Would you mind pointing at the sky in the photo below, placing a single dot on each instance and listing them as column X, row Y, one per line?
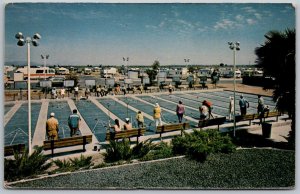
column 104, row 33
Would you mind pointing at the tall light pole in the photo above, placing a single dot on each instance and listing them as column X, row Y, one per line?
column 186, row 62
column 235, row 46
column 45, row 57
column 126, row 59
column 34, row 42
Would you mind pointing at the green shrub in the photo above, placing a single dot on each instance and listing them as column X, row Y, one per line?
column 198, row 151
column 82, row 162
column 62, row 163
column 199, row 144
column 142, row 148
column 181, row 144
column 73, row 164
column 116, row 151
column 162, row 150
column 23, row 165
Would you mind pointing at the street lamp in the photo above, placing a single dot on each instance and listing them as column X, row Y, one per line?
column 235, row 46
column 126, row 59
column 186, row 62
column 34, row 42
column 45, row 57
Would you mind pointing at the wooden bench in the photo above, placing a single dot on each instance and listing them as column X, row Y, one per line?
column 67, row 142
column 251, row 117
column 181, row 87
column 135, row 132
column 272, row 114
column 152, row 88
column 248, row 117
column 202, row 85
column 172, row 127
column 269, row 114
column 210, row 122
column 9, row 150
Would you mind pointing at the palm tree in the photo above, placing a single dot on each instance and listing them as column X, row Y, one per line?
column 277, row 57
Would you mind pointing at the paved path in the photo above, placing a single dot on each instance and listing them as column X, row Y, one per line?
column 12, row 111
column 40, row 129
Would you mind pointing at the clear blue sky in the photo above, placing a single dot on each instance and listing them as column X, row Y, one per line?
column 81, row 33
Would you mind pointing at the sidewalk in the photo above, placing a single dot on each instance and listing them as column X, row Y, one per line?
column 279, row 131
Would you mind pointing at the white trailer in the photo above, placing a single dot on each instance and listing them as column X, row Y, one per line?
column 37, row 72
column 87, row 71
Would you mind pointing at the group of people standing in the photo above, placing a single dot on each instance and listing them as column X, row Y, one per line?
column 244, row 104
column 52, row 125
column 157, row 117
column 205, row 109
column 55, row 92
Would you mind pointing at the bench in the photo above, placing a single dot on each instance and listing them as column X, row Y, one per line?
column 135, row 132
column 11, row 149
column 251, row 117
column 185, row 87
column 272, row 114
column 67, row 142
column 210, row 122
column 172, row 127
column 269, row 114
column 248, row 117
column 202, row 85
column 152, row 88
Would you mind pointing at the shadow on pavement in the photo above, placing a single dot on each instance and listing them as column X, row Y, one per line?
column 245, row 139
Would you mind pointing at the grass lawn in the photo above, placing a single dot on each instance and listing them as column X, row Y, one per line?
column 244, row 169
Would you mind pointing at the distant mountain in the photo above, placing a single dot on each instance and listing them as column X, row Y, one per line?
column 21, row 63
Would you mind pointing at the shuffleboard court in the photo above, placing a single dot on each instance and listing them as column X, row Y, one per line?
column 16, row 130
column 94, row 117
column 123, row 112
column 218, row 107
column 62, row 112
column 167, row 116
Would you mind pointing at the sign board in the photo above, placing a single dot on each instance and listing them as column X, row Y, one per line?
column 176, row 79
column 128, row 81
column 146, row 80
column 161, row 79
column 69, row 83
column 109, row 81
column 20, row 85
column 90, row 83
column 45, row 84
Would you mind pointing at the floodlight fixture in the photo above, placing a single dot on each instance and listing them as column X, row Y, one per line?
column 37, row 36
column 21, row 42
column 35, row 42
column 19, row 35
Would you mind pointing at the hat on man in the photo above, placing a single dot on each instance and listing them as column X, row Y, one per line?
column 156, row 105
column 52, row 114
column 127, row 119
